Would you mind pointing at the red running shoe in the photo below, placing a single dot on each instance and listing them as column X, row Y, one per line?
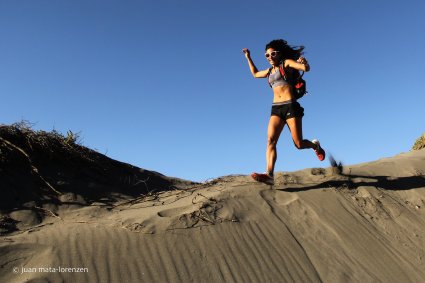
column 320, row 152
column 263, row 178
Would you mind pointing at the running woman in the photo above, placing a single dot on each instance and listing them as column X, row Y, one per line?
column 285, row 108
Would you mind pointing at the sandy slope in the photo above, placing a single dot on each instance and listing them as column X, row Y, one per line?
column 366, row 225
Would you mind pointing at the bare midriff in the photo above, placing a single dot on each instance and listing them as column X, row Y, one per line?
column 282, row 93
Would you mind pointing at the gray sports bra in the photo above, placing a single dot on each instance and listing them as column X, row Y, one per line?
column 276, row 79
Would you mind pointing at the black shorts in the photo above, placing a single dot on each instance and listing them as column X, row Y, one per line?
column 287, row 110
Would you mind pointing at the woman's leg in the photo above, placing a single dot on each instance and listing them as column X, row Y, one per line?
column 274, row 130
column 296, row 127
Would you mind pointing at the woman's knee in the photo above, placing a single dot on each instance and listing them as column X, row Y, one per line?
column 271, row 141
column 299, row 144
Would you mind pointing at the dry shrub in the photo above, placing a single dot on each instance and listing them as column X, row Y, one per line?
column 420, row 143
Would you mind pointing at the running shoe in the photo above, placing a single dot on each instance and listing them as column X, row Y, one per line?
column 320, row 152
column 263, row 178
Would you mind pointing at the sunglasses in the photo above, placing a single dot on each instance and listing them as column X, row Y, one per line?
column 272, row 54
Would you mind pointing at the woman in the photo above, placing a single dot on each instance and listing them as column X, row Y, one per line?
column 285, row 109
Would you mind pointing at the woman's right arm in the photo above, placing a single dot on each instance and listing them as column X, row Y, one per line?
column 253, row 68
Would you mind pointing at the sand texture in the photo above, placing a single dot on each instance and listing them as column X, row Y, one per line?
column 366, row 224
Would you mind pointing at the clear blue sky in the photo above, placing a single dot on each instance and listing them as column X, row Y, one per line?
column 163, row 85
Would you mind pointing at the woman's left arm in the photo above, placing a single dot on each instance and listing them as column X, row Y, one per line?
column 301, row 64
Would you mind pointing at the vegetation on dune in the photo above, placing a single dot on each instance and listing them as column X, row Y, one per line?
column 420, row 143
column 40, row 167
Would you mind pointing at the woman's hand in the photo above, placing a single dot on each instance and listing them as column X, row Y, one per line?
column 302, row 60
column 247, row 53
column 254, row 70
column 301, row 64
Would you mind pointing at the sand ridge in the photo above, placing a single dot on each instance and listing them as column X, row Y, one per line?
column 364, row 225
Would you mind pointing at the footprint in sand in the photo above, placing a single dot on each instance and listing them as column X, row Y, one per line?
column 286, row 198
column 281, row 198
column 175, row 211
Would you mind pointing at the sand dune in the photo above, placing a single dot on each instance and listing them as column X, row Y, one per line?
column 366, row 224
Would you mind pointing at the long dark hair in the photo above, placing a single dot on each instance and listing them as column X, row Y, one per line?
column 286, row 51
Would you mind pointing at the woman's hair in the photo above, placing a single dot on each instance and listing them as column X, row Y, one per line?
column 287, row 52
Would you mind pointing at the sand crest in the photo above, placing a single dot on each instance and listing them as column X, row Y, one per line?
column 366, row 224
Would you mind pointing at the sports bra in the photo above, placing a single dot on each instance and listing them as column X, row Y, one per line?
column 276, row 79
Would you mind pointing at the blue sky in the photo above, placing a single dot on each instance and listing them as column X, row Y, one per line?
column 163, row 85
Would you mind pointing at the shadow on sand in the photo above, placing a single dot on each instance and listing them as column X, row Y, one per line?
column 348, row 181
column 384, row 182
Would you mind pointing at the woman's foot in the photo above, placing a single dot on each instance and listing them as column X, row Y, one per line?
column 263, row 178
column 320, row 152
